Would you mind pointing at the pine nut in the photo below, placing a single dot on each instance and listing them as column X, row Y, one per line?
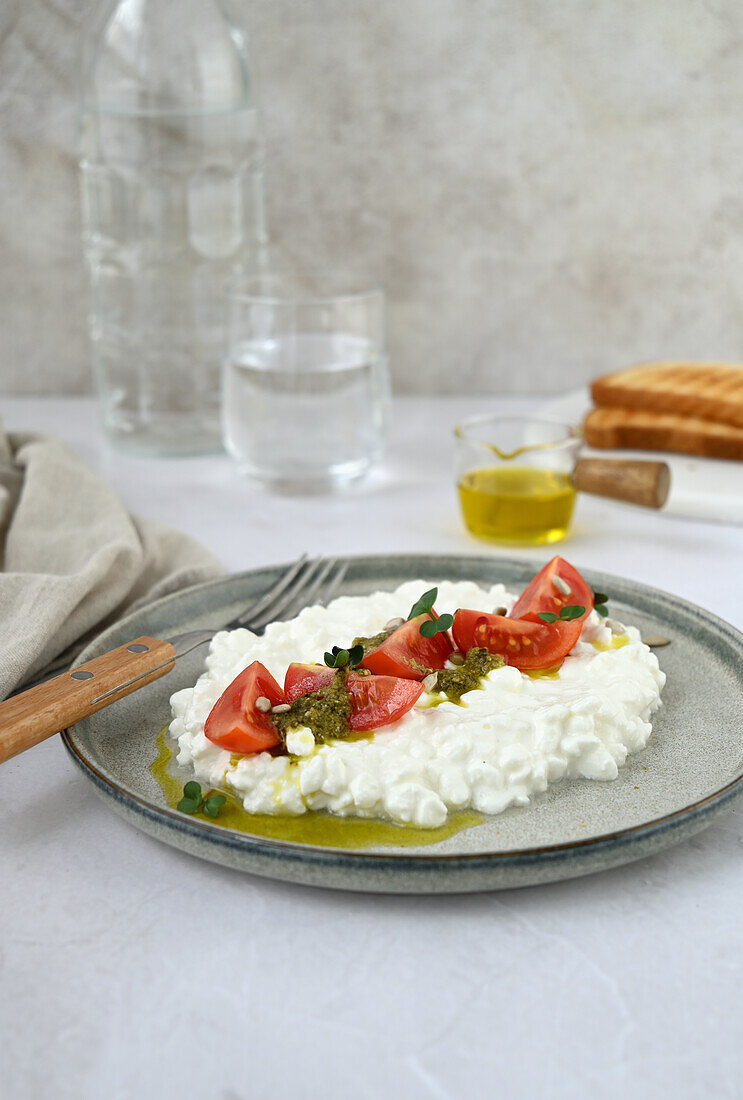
column 562, row 586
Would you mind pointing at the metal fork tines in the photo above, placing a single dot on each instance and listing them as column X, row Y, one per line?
column 305, row 582
column 287, row 581
column 320, row 580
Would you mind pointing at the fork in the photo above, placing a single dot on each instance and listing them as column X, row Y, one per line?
column 43, row 710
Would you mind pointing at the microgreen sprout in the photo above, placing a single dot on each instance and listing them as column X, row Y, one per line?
column 599, row 604
column 432, row 625
column 213, row 804
column 572, row 611
column 424, row 606
column 436, row 626
column 339, row 658
column 192, row 801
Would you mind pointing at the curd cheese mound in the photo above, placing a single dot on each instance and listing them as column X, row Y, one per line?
column 508, row 740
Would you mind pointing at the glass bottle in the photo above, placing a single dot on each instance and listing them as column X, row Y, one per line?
column 172, row 201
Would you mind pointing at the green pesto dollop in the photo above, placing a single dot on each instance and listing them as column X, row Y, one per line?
column 455, row 682
column 325, row 711
column 373, row 641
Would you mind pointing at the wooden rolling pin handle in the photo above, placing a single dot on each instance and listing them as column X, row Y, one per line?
column 631, row 480
column 44, row 710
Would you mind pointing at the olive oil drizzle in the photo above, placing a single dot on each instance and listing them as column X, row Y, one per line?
column 313, row 828
column 618, row 641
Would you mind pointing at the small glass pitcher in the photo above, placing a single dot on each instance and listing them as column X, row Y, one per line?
column 514, row 477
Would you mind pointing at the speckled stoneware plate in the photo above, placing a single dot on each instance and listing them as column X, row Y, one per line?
column 691, row 771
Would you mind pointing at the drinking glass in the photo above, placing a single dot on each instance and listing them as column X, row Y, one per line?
column 514, row 477
column 305, row 389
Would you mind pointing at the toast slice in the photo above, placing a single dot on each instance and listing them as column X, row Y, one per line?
column 648, row 431
column 709, row 391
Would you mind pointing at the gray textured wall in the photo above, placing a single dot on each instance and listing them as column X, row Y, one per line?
column 548, row 190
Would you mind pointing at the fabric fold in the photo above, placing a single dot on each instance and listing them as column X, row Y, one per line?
column 72, row 559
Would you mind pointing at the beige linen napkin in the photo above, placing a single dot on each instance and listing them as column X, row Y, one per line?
column 72, row 559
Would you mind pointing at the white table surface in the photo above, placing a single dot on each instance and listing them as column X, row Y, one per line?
column 129, row 969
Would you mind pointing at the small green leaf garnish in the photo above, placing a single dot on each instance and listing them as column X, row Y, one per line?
column 573, row 611
column 192, row 802
column 432, row 625
column 436, row 626
column 339, row 658
column 189, row 805
column 599, row 604
column 424, row 606
column 213, row 803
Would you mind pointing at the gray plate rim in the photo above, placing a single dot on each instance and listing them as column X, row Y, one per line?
column 355, row 858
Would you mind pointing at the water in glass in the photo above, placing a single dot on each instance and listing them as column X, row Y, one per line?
column 305, row 410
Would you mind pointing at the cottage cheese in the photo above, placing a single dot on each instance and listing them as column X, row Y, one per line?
column 509, row 740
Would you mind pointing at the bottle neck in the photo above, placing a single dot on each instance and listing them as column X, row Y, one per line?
column 151, row 57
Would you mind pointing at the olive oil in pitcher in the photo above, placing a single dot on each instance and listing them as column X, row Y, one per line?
column 517, row 503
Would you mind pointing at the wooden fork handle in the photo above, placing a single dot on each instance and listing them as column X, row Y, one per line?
column 50, row 707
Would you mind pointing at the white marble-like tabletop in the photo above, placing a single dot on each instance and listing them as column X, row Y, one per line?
column 130, row 969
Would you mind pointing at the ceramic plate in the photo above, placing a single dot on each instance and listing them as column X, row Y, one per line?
column 690, row 772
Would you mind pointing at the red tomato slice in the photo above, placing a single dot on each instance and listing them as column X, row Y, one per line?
column 375, row 700
column 523, row 644
column 234, row 722
column 463, row 628
column 304, row 679
column 380, row 700
column 542, row 594
column 407, row 653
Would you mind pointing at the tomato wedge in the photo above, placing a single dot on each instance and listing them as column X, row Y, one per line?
column 380, row 700
column 407, row 653
column 234, row 722
column 523, row 644
column 463, row 627
column 542, row 594
column 375, row 700
column 304, row 679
